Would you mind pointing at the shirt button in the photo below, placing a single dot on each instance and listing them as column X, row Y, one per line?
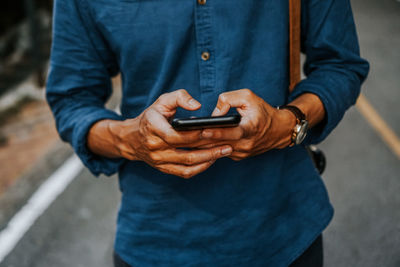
column 201, row 2
column 205, row 56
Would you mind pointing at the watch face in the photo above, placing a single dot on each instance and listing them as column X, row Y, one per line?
column 301, row 132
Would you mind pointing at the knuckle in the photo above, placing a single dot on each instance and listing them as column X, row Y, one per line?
column 182, row 92
column 187, row 173
column 247, row 146
column 152, row 144
column 247, row 93
column 155, row 157
column 161, row 98
column 147, row 142
column 215, row 154
column 190, row 159
column 222, row 98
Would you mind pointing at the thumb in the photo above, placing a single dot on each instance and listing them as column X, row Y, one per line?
column 180, row 98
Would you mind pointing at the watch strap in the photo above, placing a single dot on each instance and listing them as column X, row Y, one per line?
column 300, row 119
column 296, row 111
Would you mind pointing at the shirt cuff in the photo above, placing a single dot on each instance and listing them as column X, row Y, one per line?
column 95, row 163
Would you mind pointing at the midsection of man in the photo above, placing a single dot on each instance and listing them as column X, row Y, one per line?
column 262, row 210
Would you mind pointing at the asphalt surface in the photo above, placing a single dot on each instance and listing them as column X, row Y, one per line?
column 362, row 177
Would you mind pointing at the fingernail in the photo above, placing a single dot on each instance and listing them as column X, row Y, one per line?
column 226, row 151
column 207, row 134
column 194, row 103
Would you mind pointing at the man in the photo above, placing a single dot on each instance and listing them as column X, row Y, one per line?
column 253, row 197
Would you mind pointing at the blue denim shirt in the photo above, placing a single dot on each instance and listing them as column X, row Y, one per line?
column 262, row 211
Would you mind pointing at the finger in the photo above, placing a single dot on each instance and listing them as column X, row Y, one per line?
column 184, row 171
column 158, row 125
column 181, row 98
column 179, row 139
column 210, row 145
column 235, row 158
column 214, row 143
column 203, row 143
column 234, row 133
column 238, row 156
column 233, row 99
column 192, row 157
column 206, row 146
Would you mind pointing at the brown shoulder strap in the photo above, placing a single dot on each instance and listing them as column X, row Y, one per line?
column 294, row 42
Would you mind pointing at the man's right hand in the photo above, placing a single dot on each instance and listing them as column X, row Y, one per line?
column 150, row 138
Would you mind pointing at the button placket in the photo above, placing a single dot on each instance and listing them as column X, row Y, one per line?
column 205, row 48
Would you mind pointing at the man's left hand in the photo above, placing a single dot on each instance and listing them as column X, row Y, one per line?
column 262, row 127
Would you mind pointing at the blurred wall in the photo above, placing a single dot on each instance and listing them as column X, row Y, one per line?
column 25, row 37
column 14, row 12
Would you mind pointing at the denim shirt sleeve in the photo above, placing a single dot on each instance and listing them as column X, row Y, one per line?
column 79, row 82
column 333, row 66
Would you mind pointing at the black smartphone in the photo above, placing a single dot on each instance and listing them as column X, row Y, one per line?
column 185, row 124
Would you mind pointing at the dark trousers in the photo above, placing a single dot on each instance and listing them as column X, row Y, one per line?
column 312, row 257
column 118, row 262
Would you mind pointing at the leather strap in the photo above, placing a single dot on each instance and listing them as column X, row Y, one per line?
column 294, row 43
column 300, row 116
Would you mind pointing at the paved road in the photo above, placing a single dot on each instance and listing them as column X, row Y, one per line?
column 363, row 178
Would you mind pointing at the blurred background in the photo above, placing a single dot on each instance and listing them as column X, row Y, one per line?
column 54, row 213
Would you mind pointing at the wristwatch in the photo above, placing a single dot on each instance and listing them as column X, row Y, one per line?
column 301, row 128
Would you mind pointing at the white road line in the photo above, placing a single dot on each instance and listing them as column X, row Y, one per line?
column 37, row 204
